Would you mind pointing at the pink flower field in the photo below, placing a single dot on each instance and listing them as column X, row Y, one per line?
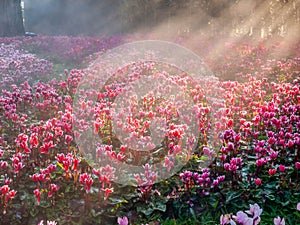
column 244, row 167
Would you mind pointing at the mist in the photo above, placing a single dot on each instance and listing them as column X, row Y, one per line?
column 220, row 21
column 72, row 17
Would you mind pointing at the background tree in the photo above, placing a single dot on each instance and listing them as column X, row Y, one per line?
column 11, row 18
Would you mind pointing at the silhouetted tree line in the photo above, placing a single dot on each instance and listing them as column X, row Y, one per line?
column 72, row 17
column 11, row 19
column 96, row 17
column 239, row 17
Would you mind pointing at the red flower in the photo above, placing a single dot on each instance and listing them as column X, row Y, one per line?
column 258, row 181
column 229, row 123
column 107, row 191
column 34, row 140
column 51, row 168
column 76, row 161
column 10, row 195
column 123, row 148
column 53, row 188
column 68, row 139
column 46, row 147
column 87, row 181
column 272, row 172
column 37, row 194
column 281, row 168
column 60, row 157
column 3, row 164
column 4, row 189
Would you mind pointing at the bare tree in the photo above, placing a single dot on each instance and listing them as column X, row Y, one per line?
column 11, row 18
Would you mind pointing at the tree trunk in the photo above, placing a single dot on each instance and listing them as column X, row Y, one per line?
column 11, row 18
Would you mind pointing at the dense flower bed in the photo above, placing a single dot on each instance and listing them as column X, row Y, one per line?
column 255, row 130
column 17, row 66
column 63, row 48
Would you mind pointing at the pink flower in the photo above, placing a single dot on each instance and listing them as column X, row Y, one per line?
column 258, row 181
column 107, row 191
column 51, row 168
column 281, row 168
column 298, row 206
column 243, row 218
column 261, row 162
column 272, row 172
column 290, row 143
column 10, row 195
column 76, row 161
column 297, row 165
column 68, row 139
column 225, row 219
column 123, row 148
column 4, row 189
column 37, row 194
column 22, row 142
column 60, row 157
column 271, row 140
column 168, row 163
column 123, row 221
column 227, row 166
column 53, row 188
column 255, row 211
column 273, row 154
column 279, row 221
column 87, row 181
column 34, row 140
column 45, row 148
column 39, row 177
column 3, row 164
column 8, row 181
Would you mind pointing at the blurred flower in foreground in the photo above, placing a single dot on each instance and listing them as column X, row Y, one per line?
column 279, row 221
column 48, row 222
column 123, row 221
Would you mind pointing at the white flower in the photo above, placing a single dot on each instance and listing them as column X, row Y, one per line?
column 48, row 222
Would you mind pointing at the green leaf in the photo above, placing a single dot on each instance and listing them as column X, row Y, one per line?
column 213, row 202
column 285, row 203
column 193, row 214
column 130, row 196
column 23, row 196
column 68, row 188
column 160, row 206
column 96, row 214
column 232, row 195
column 117, row 200
column 33, row 211
column 271, row 197
column 146, row 211
column 297, row 214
